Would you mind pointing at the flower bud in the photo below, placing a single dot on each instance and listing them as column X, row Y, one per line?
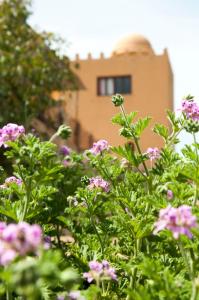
column 118, row 100
column 85, row 180
column 191, row 126
column 64, row 131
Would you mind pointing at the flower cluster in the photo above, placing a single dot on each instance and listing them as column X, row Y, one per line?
column 153, row 153
column 98, row 182
column 190, row 109
column 10, row 132
column 99, row 146
column 11, row 180
column 178, row 220
column 99, row 271
column 18, row 240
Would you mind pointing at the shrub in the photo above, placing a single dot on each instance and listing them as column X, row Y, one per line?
column 125, row 220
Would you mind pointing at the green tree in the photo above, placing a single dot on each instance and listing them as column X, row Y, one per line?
column 30, row 67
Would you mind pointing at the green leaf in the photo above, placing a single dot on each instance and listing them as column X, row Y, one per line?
column 118, row 119
column 140, row 125
column 161, row 130
column 8, row 212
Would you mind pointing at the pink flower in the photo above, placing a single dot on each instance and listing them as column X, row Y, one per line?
column 11, row 180
column 191, row 109
column 2, row 227
column 99, row 146
column 7, row 256
column 76, row 295
column 110, row 272
column 10, row 132
column 153, row 153
column 18, row 240
column 169, row 194
column 178, row 220
column 66, row 163
column 95, row 266
column 98, row 182
column 99, row 271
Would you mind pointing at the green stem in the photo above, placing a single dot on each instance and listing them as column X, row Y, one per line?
column 173, row 137
column 58, row 236
column 194, row 295
column 95, row 228
column 8, row 293
column 186, row 261
column 190, row 268
column 53, row 137
column 103, row 289
column 197, row 162
column 97, row 233
column 196, row 149
column 27, row 200
column 108, row 286
column 135, row 139
column 195, row 198
column 133, row 277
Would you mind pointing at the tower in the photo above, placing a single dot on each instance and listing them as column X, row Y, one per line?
column 133, row 70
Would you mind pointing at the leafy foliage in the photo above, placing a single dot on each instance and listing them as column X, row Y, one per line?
column 88, row 223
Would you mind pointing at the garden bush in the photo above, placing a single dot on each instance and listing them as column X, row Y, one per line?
column 109, row 223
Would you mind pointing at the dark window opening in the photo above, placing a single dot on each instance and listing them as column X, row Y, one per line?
column 113, row 85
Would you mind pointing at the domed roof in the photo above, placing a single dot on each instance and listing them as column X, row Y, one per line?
column 133, row 44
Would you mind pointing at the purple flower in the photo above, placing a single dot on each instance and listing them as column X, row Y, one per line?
column 99, row 271
column 153, row 153
column 169, row 194
column 47, row 242
column 64, row 150
column 98, row 182
column 99, row 146
column 10, row 132
column 18, row 240
column 178, row 220
column 191, row 109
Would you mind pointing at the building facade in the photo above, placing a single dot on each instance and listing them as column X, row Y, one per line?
column 133, row 70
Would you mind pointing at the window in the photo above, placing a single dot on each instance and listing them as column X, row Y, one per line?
column 112, row 85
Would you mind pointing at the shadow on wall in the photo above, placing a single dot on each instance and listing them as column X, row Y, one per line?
column 47, row 124
column 80, row 139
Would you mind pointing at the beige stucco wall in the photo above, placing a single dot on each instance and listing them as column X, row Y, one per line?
column 152, row 95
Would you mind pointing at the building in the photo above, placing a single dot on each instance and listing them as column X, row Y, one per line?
column 133, row 70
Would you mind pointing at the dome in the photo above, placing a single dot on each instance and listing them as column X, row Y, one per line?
column 133, row 44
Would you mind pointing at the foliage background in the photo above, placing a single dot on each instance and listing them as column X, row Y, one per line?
column 31, row 68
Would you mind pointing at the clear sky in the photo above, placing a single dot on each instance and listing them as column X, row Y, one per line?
column 96, row 25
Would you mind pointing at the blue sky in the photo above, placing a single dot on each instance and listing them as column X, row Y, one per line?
column 96, row 25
